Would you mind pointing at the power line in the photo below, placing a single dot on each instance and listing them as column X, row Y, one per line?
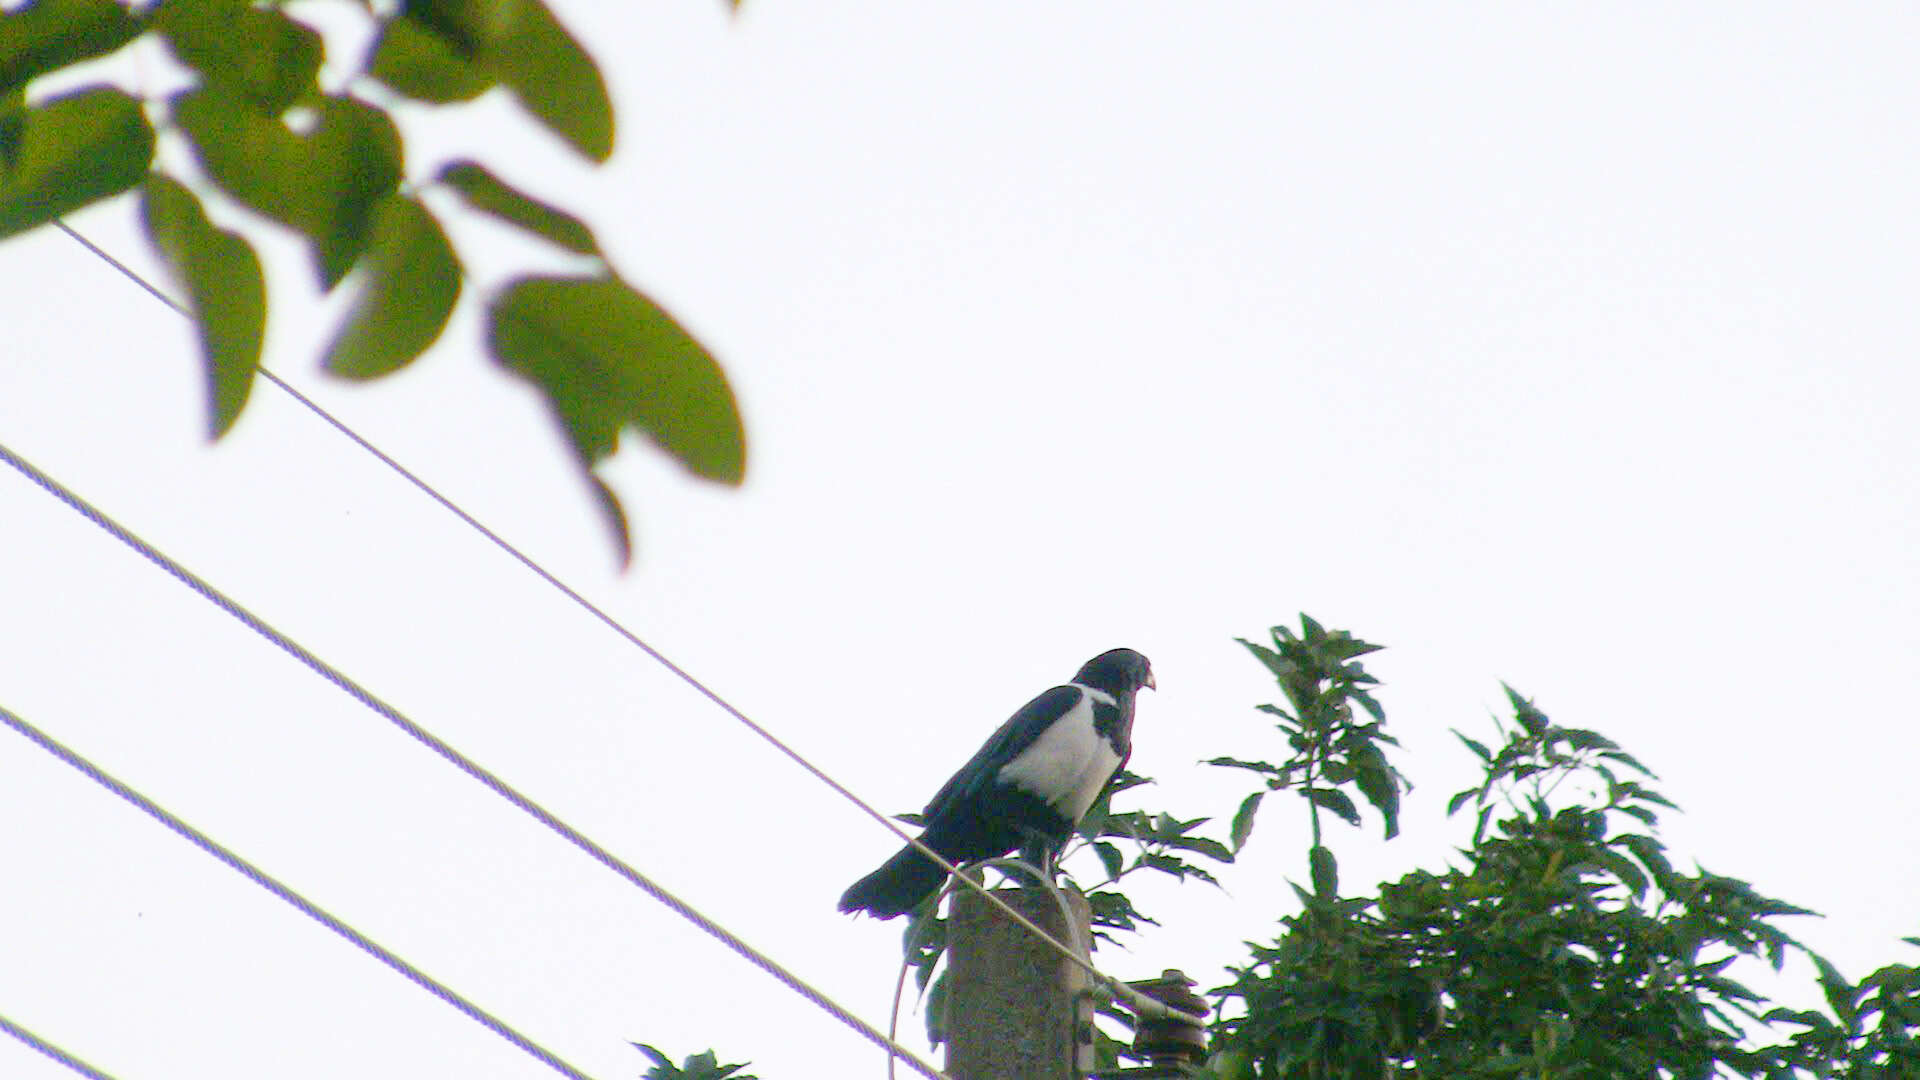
column 51, row 1050
column 276, row 887
column 461, row 761
column 1138, row 1002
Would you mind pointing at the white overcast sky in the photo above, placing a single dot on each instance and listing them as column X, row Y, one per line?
column 1556, row 344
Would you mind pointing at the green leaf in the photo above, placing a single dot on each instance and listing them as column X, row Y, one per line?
column 412, row 281
column 71, row 151
column 486, row 193
column 1204, row 845
column 524, row 46
column 1336, row 801
column 1531, row 719
column 616, row 518
column 1326, row 872
column 1261, row 767
column 225, row 292
column 1377, row 781
column 1281, row 667
column 1479, row 748
column 1842, row 997
column 326, row 184
column 1625, row 869
column 1368, row 703
column 51, row 34
column 1110, row 858
column 421, row 64
column 257, row 53
column 1243, row 819
column 607, row 359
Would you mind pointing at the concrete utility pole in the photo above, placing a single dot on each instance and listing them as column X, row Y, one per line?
column 1016, row 1009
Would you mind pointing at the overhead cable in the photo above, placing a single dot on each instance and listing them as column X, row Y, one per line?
column 1139, row 1003
column 51, row 1050
column 460, row 761
column 273, row 885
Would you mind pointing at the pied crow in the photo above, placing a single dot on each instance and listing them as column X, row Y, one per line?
column 1028, row 787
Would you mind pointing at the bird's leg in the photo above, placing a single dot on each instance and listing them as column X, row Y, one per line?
column 1036, row 850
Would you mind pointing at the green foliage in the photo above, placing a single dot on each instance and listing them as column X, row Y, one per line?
column 1567, row 945
column 60, row 155
column 256, row 54
column 329, row 163
column 324, row 184
column 520, row 44
column 225, row 291
column 415, row 61
column 488, row 194
column 411, row 279
column 48, row 35
column 1330, row 747
column 1870, row 1034
column 608, row 358
column 702, row 1066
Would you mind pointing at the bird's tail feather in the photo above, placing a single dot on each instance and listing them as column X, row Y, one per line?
column 898, row 887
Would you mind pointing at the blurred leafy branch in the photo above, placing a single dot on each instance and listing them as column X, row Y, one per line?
column 324, row 159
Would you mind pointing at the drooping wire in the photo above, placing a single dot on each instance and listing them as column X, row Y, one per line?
column 52, row 1051
column 460, row 761
column 1139, row 1003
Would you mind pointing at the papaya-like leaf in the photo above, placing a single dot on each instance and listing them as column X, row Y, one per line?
column 51, row 34
column 258, row 53
column 412, row 280
column 325, row 183
column 425, row 66
column 71, row 151
column 489, row 194
column 225, row 292
column 521, row 43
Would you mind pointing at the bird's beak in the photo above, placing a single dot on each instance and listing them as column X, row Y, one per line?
column 1149, row 683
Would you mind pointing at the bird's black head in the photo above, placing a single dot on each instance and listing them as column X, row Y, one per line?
column 1117, row 671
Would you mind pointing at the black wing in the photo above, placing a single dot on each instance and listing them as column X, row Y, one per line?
column 1014, row 736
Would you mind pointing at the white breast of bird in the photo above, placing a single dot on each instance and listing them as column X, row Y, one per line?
column 1069, row 764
